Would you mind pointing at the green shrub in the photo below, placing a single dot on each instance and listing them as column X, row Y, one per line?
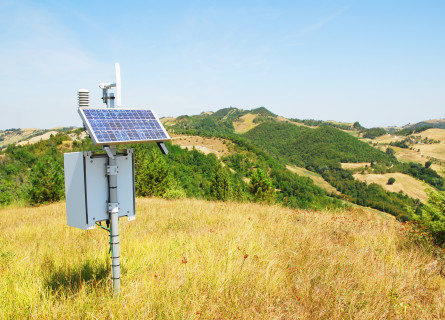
column 433, row 215
column 153, row 177
column 174, row 193
column 46, row 182
column 373, row 133
column 7, row 192
column 261, row 187
column 391, row 181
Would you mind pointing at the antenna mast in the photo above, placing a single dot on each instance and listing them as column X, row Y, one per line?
column 113, row 205
column 111, row 99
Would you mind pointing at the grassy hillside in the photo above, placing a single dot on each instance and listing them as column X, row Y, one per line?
column 191, row 259
column 10, row 136
column 317, row 178
column 404, row 183
column 27, row 135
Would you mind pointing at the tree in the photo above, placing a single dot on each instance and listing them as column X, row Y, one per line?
column 390, row 151
column 428, row 164
column 7, row 192
column 433, row 215
column 391, row 181
column 357, row 125
column 46, row 181
column 220, row 188
column 261, row 187
column 153, row 176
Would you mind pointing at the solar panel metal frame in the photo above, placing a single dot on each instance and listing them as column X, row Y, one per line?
column 116, row 142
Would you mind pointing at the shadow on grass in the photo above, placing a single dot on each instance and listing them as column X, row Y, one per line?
column 66, row 280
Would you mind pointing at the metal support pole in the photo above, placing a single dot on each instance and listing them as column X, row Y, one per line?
column 113, row 209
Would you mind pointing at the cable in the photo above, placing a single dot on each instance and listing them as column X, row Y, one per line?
column 111, row 236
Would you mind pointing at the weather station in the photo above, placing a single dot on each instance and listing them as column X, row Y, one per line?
column 101, row 186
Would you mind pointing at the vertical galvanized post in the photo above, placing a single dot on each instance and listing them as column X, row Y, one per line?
column 113, row 209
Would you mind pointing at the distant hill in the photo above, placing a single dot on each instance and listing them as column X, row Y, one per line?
column 15, row 135
column 436, row 123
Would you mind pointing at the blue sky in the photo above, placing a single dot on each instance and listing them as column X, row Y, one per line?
column 377, row 62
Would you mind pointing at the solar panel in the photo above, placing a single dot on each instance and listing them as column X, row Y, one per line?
column 118, row 126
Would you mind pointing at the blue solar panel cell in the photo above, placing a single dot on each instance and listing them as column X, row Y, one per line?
column 115, row 126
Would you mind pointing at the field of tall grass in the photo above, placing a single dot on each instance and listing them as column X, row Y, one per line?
column 191, row 259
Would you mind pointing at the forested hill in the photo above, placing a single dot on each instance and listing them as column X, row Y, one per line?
column 322, row 150
column 313, row 148
column 219, row 122
column 318, row 146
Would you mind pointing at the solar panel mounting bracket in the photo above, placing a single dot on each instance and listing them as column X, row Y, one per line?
column 109, row 153
column 112, row 170
column 163, row 147
column 113, row 207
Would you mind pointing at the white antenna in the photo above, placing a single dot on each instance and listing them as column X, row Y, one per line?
column 118, row 102
column 109, row 99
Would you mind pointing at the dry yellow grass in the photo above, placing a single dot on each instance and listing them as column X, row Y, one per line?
column 245, row 123
column 432, row 150
column 168, row 120
column 405, row 183
column 355, row 165
column 439, row 169
column 17, row 136
column 205, row 145
column 435, row 134
column 386, row 138
column 341, row 123
column 283, row 119
column 79, row 137
column 244, row 261
column 407, row 155
column 315, row 177
column 421, row 152
column 38, row 138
